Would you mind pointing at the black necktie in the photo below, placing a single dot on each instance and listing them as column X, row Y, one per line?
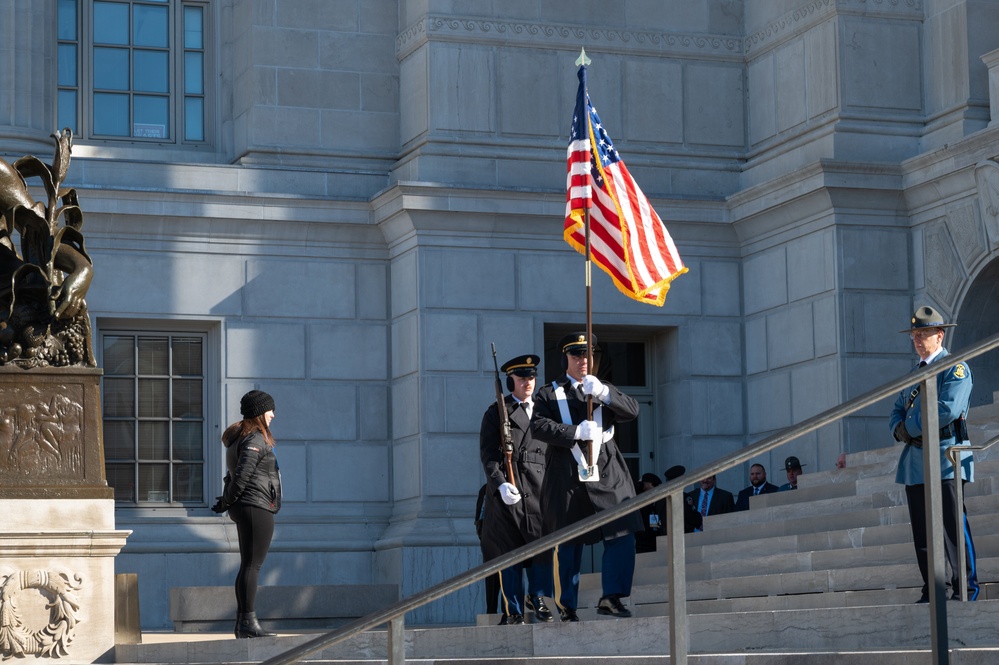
column 922, row 363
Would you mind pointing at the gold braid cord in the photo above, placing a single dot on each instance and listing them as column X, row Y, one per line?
column 54, row 638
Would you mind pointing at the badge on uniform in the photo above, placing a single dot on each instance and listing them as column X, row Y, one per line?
column 959, row 371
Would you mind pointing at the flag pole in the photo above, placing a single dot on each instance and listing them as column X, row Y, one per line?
column 584, row 61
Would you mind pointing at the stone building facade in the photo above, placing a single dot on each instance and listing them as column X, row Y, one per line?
column 348, row 200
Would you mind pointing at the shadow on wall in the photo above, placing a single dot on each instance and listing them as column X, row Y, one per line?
column 978, row 319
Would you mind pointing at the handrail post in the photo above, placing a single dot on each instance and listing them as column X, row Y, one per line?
column 677, row 567
column 397, row 641
column 933, row 502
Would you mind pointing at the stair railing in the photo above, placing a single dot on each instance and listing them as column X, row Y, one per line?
column 954, row 454
column 672, row 492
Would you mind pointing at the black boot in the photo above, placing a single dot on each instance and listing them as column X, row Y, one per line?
column 248, row 626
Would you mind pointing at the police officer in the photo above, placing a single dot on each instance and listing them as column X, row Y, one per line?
column 560, row 420
column 513, row 505
column 906, row 425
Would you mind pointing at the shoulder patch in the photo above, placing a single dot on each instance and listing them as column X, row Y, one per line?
column 959, row 371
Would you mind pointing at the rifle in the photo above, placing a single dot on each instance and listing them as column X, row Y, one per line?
column 506, row 438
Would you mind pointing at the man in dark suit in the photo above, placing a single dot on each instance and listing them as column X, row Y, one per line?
column 757, row 485
column 574, row 487
column 513, row 505
column 711, row 500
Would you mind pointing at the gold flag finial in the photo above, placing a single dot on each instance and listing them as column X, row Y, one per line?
column 582, row 59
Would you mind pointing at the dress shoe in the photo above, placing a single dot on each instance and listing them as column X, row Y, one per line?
column 541, row 611
column 567, row 614
column 923, row 600
column 504, row 620
column 247, row 625
column 611, row 606
column 516, row 620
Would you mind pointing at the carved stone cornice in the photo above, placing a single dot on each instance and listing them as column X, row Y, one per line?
column 780, row 29
column 570, row 37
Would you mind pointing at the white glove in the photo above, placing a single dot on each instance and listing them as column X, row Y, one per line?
column 593, row 386
column 588, row 430
column 509, row 494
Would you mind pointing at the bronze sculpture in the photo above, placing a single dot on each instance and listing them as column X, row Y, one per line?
column 43, row 314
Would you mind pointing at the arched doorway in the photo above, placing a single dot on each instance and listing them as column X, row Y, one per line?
column 979, row 318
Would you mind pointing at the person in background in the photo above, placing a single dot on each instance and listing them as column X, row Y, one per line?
column 711, row 500
column 757, row 485
column 906, row 425
column 793, row 468
column 645, row 541
column 252, row 496
column 692, row 520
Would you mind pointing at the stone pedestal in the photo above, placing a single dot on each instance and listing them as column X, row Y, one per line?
column 57, row 539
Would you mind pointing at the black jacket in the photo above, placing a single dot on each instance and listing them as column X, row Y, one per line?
column 742, row 503
column 506, row 528
column 565, row 499
column 253, row 478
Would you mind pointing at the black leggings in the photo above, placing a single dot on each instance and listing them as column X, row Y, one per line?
column 255, row 528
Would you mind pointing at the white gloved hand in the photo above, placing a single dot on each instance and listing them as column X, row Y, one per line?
column 509, row 493
column 588, row 430
column 593, row 386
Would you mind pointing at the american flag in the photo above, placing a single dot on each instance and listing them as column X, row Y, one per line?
column 627, row 238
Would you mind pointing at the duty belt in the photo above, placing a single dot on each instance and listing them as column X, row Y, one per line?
column 957, row 429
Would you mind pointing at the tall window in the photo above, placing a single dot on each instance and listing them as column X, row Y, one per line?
column 133, row 69
column 154, row 416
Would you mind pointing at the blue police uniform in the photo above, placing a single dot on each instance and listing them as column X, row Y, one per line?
column 954, row 397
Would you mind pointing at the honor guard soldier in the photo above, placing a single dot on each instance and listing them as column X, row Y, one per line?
column 513, row 502
column 906, row 425
column 575, row 487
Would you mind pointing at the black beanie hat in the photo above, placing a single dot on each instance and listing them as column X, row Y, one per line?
column 255, row 403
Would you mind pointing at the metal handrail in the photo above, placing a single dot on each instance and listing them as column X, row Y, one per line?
column 393, row 614
column 954, row 453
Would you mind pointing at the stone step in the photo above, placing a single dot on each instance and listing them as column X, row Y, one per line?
column 837, row 630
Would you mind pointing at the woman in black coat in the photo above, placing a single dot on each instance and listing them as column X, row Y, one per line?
column 252, row 496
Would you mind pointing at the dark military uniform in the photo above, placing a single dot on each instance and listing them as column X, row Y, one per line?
column 567, row 500
column 506, row 527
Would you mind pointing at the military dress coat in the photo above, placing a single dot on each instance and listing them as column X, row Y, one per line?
column 505, row 528
column 953, row 399
column 566, row 499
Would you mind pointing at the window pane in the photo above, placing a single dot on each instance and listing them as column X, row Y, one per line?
column 151, row 114
column 119, row 440
column 186, row 356
column 188, row 482
column 67, row 64
column 187, row 402
column 119, row 357
column 194, row 119
column 150, row 71
column 153, row 398
column 67, row 109
column 119, row 398
column 122, row 478
column 193, row 27
column 150, row 26
column 194, row 80
column 154, row 442
column 110, row 23
column 154, row 482
column 67, row 19
column 188, row 441
column 154, row 356
column 111, row 68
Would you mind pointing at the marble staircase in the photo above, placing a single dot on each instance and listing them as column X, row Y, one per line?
column 818, row 576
